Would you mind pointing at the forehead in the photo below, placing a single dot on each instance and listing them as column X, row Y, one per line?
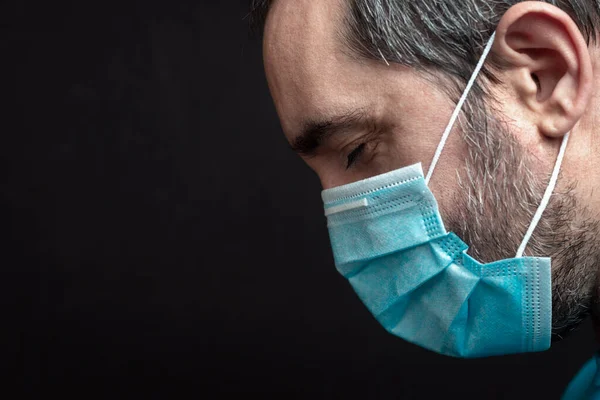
column 312, row 75
column 308, row 69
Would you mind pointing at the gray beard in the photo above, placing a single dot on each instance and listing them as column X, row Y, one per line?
column 497, row 198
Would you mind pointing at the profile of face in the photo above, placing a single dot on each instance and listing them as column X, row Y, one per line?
column 351, row 117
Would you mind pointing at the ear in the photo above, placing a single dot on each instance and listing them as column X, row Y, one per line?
column 549, row 65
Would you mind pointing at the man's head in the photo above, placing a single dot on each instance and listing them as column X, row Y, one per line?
column 363, row 87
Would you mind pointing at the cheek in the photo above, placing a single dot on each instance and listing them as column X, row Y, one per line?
column 388, row 156
column 401, row 148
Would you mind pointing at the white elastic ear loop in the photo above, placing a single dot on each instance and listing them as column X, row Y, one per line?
column 554, row 178
column 546, row 199
column 456, row 113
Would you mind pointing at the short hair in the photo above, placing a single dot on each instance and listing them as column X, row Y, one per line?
column 445, row 36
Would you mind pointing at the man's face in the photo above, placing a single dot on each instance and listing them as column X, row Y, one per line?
column 389, row 116
column 351, row 118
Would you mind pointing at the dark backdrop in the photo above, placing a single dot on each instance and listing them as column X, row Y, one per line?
column 161, row 240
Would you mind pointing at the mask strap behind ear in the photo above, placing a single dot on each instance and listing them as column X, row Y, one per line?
column 554, row 178
column 459, row 106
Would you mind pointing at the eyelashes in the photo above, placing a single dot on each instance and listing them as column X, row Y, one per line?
column 367, row 150
column 355, row 155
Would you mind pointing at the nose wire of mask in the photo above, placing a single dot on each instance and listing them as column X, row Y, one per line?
column 554, row 178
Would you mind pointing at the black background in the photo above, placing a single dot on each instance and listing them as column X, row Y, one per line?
column 161, row 240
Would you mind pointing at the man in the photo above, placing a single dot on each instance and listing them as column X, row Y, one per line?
column 365, row 87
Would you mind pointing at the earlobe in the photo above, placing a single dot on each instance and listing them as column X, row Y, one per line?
column 549, row 65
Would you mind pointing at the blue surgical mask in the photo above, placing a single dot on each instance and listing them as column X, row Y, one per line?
column 389, row 241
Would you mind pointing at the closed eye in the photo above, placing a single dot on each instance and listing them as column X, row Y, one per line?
column 355, row 154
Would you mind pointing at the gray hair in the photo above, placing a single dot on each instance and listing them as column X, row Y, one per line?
column 444, row 39
column 444, row 36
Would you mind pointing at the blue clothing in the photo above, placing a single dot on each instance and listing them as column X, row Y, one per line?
column 586, row 384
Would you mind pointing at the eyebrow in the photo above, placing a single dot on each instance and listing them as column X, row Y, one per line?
column 314, row 133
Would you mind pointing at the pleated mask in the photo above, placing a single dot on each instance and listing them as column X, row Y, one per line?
column 389, row 241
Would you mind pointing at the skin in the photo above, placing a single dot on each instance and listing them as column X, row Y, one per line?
column 551, row 86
